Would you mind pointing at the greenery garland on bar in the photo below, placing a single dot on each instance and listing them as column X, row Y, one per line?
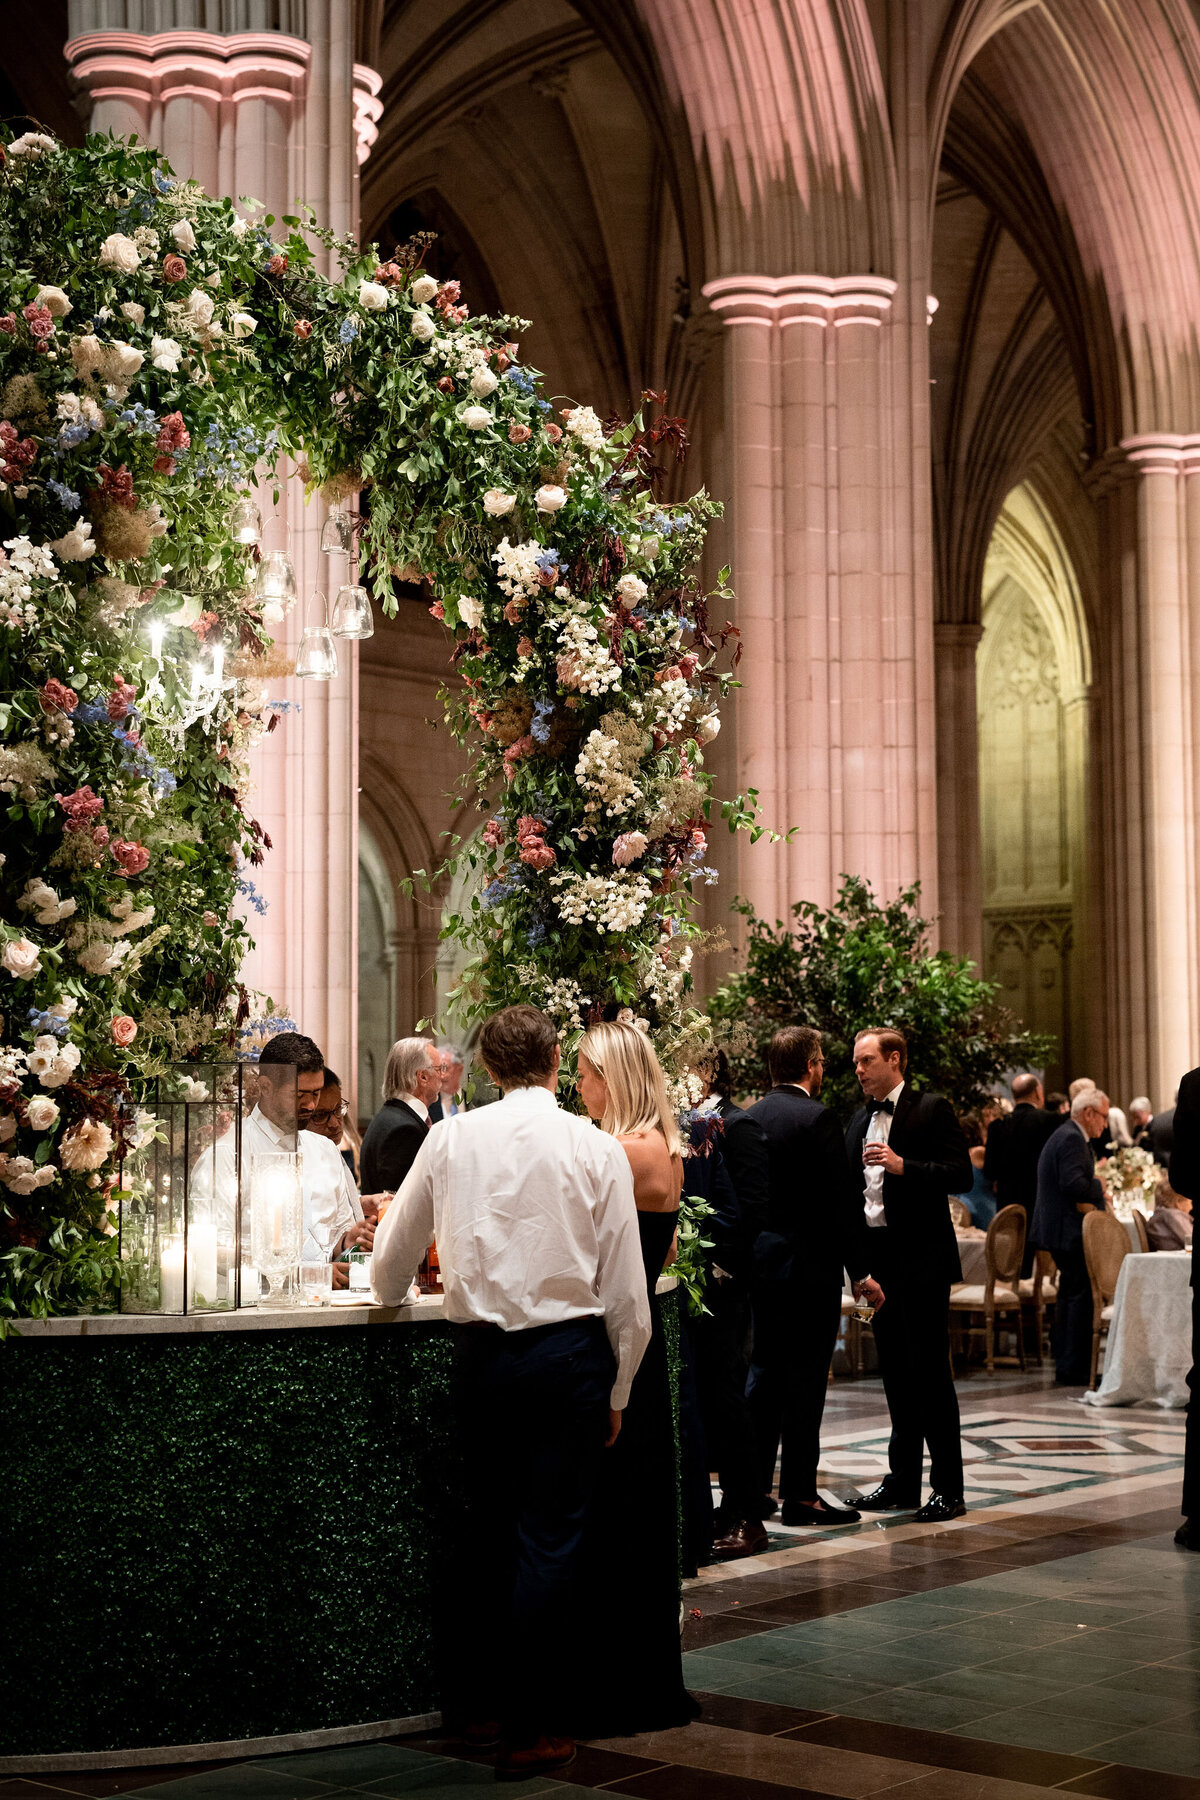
column 157, row 348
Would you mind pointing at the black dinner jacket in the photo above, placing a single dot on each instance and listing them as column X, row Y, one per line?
column 937, row 1164
column 1014, row 1144
column 389, row 1147
column 814, row 1225
column 1066, row 1178
column 1185, row 1155
column 743, row 1151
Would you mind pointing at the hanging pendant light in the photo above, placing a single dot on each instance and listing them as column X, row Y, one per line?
column 316, row 658
column 275, row 586
column 245, row 522
column 337, row 533
column 352, row 615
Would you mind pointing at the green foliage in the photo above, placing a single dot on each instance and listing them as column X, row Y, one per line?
column 864, row 964
column 689, row 1267
column 73, row 1271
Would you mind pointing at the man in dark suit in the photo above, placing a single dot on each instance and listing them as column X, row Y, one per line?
column 814, row 1230
column 910, row 1154
column 1067, row 1188
column 728, row 1168
column 448, row 1102
column 1160, row 1135
column 1014, row 1144
column 392, row 1139
column 1185, row 1179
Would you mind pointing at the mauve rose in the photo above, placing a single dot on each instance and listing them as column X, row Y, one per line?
column 124, row 1030
column 446, row 384
column 303, row 329
column 554, row 433
column 519, row 434
column 174, row 268
column 130, row 858
column 55, row 696
column 8, row 324
column 277, row 264
column 210, row 919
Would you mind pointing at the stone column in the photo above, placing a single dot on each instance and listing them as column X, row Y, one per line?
column 285, row 119
column 959, row 847
column 1146, row 865
column 830, row 725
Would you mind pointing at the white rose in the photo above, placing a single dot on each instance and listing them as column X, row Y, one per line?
column 708, row 727
column 42, row 1057
column 63, row 1009
column 31, row 143
column 476, row 418
column 165, row 354
column 87, row 353
column 54, row 300
column 133, row 312
column 650, row 547
column 20, row 958
column 122, row 362
column 422, row 289
column 372, row 297
column 497, row 504
column 199, row 309
column 77, row 544
column 41, row 1113
column 120, row 252
column 423, row 327
column 483, row 383
column 242, row 324
column 631, row 589
column 470, row 611
column 214, row 279
column 70, row 1056
column 239, row 227
column 185, row 237
column 548, row 499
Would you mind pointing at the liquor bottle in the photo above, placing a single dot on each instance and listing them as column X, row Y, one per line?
column 360, row 1269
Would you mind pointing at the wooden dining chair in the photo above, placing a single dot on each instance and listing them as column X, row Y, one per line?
column 1140, row 1223
column 960, row 1214
column 1000, row 1293
column 1105, row 1247
column 1039, row 1292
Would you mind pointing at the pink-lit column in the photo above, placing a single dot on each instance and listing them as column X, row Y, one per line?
column 830, row 725
column 284, row 119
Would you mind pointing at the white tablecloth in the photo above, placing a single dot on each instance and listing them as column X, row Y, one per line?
column 1149, row 1348
column 972, row 1254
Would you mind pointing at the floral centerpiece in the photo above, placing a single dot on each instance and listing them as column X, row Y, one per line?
column 160, row 350
column 1131, row 1178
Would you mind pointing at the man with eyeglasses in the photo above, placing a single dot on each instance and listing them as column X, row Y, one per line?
column 1067, row 1188
column 349, row 1220
column 329, row 1118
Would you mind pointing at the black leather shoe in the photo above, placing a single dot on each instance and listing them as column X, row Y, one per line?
column 800, row 1512
column 1188, row 1535
column 938, row 1508
column 768, row 1507
column 883, row 1499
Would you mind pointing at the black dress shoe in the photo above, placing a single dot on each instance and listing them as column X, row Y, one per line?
column 938, row 1508
column 768, row 1506
column 800, row 1512
column 883, row 1499
column 1188, row 1535
column 745, row 1538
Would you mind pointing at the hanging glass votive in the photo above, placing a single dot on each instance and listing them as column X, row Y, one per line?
column 316, row 659
column 352, row 615
column 275, row 586
column 245, row 522
column 337, row 533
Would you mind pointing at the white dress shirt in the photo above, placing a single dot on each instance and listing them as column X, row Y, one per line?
column 417, row 1106
column 331, row 1203
column 879, row 1130
column 533, row 1213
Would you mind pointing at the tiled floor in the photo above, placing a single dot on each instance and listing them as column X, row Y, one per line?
column 1047, row 1643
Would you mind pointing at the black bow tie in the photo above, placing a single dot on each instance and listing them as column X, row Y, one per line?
column 874, row 1106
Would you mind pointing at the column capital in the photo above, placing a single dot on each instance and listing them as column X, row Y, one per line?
column 130, row 67
column 368, row 109
column 1148, row 453
column 800, row 299
column 957, row 635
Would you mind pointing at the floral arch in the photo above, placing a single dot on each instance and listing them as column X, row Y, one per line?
column 157, row 347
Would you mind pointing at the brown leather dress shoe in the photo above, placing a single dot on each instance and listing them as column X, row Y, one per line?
column 746, row 1538
column 520, row 1762
column 483, row 1734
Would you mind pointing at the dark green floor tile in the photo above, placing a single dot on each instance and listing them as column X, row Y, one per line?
column 1172, row 1752
column 243, row 1781
column 926, row 1712
column 770, row 1648
column 349, row 1765
column 462, row 1781
column 1085, row 1665
column 1110, row 1704
column 842, row 1628
column 1190, row 1659
column 976, row 1597
column 891, row 1667
column 1182, row 1686
column 798, row 1687
column 1016, row 1631
column 1034, row 1730
column 1080, row 1610
column 1009, row 1689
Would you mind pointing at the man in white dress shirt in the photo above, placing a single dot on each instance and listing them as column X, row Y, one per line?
column 540, row 1255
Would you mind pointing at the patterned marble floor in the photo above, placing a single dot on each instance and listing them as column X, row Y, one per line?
column 1048, row 1643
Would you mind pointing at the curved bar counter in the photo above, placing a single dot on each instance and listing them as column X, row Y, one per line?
column 224, row 1531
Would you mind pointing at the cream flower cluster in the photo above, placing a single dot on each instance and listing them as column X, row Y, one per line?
column 564, row 1000
column 585, row 662
column 601, row 772
column 20, row 1175
column 610, row 902
column 20, row 566
column 585, row 427
column 517, row 569
column 671, row 705
column 53, row 1063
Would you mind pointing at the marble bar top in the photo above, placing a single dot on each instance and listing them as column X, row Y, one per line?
column 425, row 1311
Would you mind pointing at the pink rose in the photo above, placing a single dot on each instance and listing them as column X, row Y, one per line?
column 438, row 610
column 121, row 700
column 55, row 696
column 39, row 320
column 493, row 834
column 518, row 434
column 130, row 858
column 8, row 324
column 174, row 268
column 554, row 433
column 124, row 1030
column 524, row 646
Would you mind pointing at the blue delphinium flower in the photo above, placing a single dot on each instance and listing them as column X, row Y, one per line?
column 549, row 562
column 247, row 888
column 71, row 436
column 348, row 329
column 539, row 727
column 140, row 419
column 535, row 932
column 66, row 497
column 520, row 378
column 90, row 712
column 47, row 1021
column 162, row 182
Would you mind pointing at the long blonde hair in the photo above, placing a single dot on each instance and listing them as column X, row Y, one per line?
column 624, row 1059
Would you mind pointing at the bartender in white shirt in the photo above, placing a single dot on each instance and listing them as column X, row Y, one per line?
column 538, row 1242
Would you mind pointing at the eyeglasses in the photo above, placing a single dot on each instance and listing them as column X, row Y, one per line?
column 327, row 1113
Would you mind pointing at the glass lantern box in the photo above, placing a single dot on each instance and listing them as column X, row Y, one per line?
column 211, row 1210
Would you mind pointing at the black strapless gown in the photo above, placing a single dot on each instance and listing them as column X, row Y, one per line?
column 632, row 1679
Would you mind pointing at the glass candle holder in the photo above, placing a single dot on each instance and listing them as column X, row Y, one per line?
column 352, row 615
column 245, row 522
column 337, row 533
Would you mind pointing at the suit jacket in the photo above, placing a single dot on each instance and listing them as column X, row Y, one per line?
column 1066, row 1178
column 937, row 1163
column 389, row 1147
column 814, row 1224
column 1014, row 1145
column 743, row 1149
column 1160, row 1138
column 437, row 1111
column 1185, row 1157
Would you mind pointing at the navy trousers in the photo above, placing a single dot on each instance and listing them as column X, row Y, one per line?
column 1071, row 1332
column 533, row 1408
column 795, row 1333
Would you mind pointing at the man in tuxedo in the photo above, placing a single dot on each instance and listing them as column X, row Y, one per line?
column 910, row 1154
column 814, row 1230
column 410, row 1082
column 1014, row 1144
column 447, row 1104
column 1185, row 1179
column 1067, row 1188
column 1160, row 1135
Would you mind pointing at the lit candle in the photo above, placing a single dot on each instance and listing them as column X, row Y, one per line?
column 218, row 664
column 171, row 1265
column 202, row 1251
column 196, row 680
column 157, row 630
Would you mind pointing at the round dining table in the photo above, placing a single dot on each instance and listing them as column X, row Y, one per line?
column 1149, row 1346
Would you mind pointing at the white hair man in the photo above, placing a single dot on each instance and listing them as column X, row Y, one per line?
column 449, row 1100
column 410, row 1085
column 1067, row 1188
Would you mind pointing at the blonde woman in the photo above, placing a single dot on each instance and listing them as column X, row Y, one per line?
column 635, row 1679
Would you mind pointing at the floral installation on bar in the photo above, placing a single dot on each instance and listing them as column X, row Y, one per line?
column 160, row 353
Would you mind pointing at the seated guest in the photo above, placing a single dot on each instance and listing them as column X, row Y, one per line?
column 448, row 1100
column 980, row 1197
column 1169, row 1226
column 1140, row 1114
column 410, row 1085
column 1059, row 1104
column 1067, row 1189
